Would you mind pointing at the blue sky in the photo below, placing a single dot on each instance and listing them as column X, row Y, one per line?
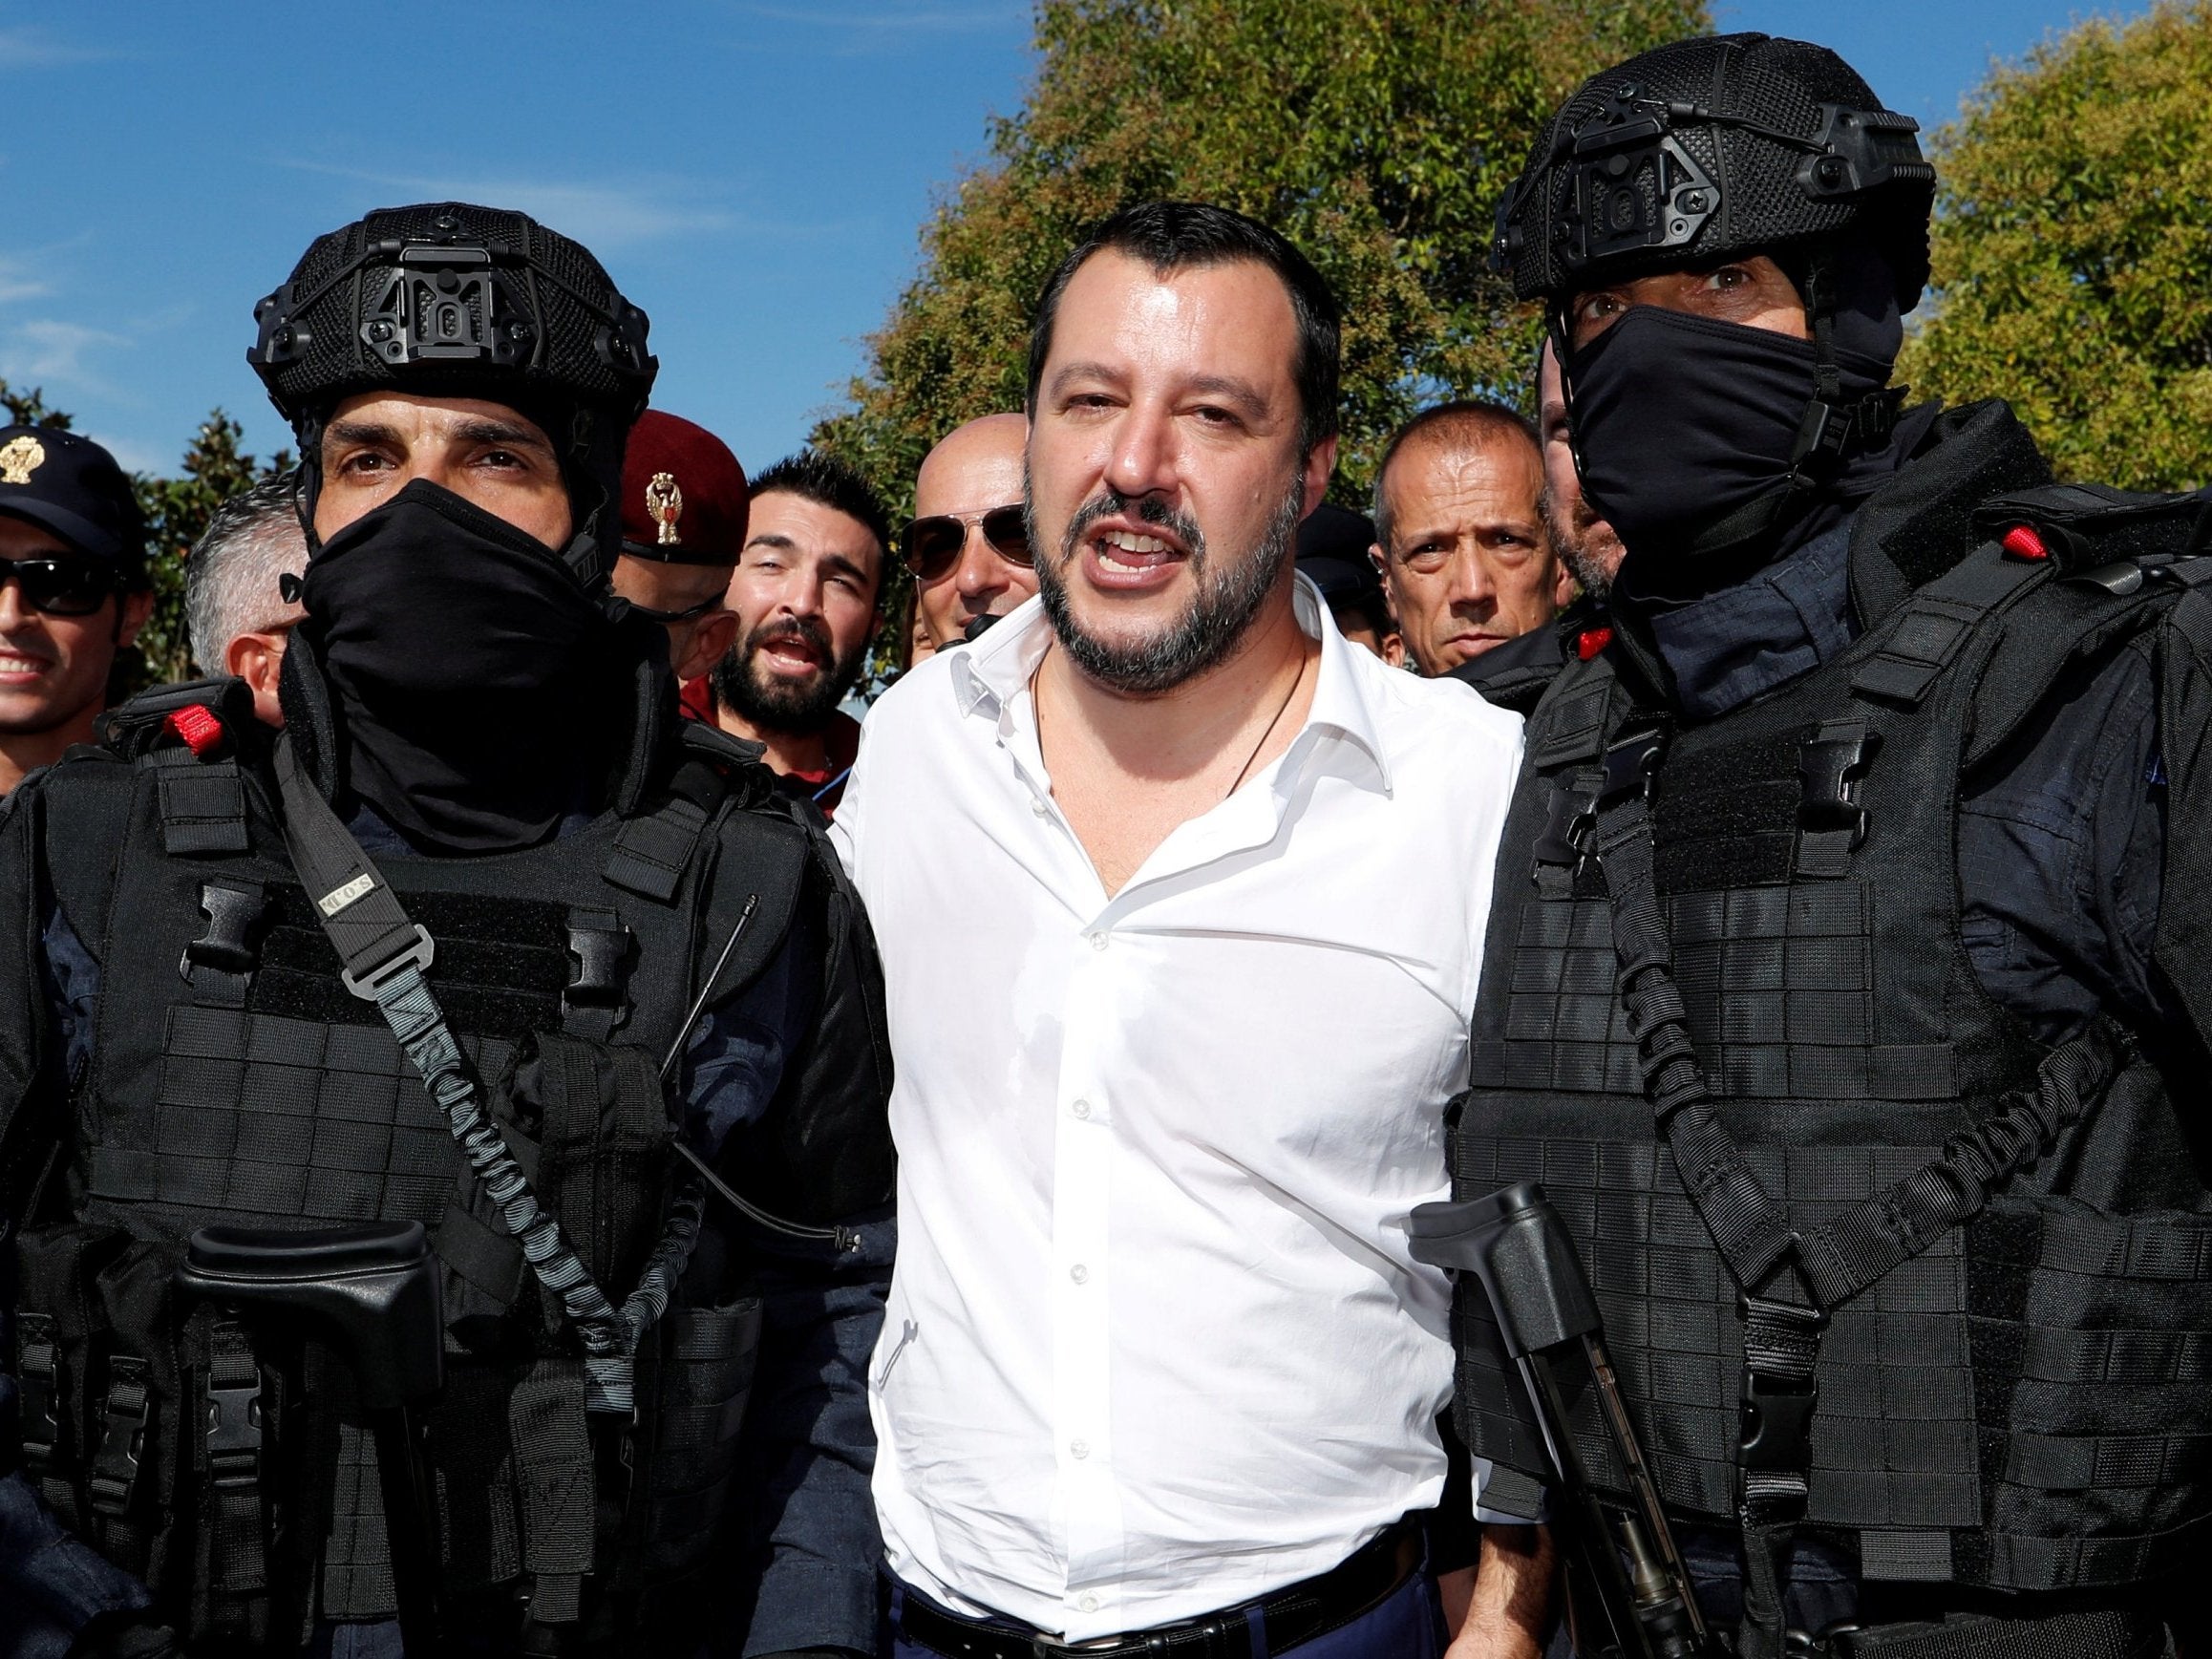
column 754, row 174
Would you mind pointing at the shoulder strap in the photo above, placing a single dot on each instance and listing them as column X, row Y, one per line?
column 2080, row 528
column 654, row 848
column 137, row 726
column 2076, row 620
column 1914, row 644
column 384, row 954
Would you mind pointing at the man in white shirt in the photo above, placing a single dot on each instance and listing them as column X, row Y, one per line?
column 1181, row 903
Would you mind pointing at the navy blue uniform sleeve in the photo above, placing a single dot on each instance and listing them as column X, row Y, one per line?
column 805, row 1535
column 2182, row 950
column 2062, row 842
column 809, row 1532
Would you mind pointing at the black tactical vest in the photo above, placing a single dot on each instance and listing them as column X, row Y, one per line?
column 232, row 1079
column 2021, row 1402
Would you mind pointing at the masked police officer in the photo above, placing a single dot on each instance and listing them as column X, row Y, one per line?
column 490, row 942
column 1848, row 983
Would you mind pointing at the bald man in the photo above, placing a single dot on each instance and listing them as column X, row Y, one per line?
column 966, row 545
column 1460, row 533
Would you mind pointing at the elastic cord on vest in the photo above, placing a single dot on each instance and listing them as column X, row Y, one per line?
column 384, row 954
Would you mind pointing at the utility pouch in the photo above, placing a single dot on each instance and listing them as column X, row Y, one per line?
column 139, row 1460
column 60, row 1332
column 703, row 1379
column 601, row 1120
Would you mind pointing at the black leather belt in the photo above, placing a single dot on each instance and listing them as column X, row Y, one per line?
column 1308, row 1608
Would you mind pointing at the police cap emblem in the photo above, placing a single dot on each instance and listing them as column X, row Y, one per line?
column 20, row 456
column 665, row 501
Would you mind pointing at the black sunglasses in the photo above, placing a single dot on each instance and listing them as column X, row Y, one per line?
column 70, row 586
column 690, row 612
column 932, row 546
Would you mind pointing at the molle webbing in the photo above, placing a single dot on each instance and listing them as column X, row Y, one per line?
column 243, row 1083
column 1756, row 960
column 384, row 955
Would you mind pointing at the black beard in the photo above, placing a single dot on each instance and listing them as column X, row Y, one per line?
column 1221, row 613
column 1570, row 537
column 792, row 711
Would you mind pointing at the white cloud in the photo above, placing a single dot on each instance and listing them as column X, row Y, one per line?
column 133, row 456
column 35, row 49
column 51, row 351
column 16, row 284
column 600, row 216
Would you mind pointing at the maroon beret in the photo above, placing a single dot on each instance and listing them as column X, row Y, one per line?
column 683, row 494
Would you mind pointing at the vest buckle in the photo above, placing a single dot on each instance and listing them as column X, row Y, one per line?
column 1632, row 764
column 38, row 1381
column 1831, row 824
column 234, row 1434
column 1777, row 1423
column 231, row 944
column 1570, row 832
column 600, row 948
column 1774, row 1459
column 415, row 955
column 128, row 1411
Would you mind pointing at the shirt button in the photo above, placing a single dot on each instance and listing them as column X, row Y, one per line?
column 1088, row 1603
column 1079, row 1273
column 1097, row 941
column 1078, row 1450
column 1081, row 1108
column 1038, row 806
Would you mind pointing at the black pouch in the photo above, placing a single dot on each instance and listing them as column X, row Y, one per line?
column 139, row 1457
column 60, row 1342
column 601, row 1120
column 702, row 1383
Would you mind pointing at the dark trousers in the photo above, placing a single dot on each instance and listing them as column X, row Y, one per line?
column 1407, row 1624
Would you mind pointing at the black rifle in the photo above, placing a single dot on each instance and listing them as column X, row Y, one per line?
column 1628, row 1597
column 370, row 1294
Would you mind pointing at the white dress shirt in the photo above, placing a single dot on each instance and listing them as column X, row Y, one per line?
column 1155, row 1345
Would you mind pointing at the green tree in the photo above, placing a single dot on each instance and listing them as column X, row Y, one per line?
column 177, row 511
column 29, row 407
column 2073, row 263
column 1377, row 135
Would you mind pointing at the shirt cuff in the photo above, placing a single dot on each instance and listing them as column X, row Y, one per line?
column 806, row 1603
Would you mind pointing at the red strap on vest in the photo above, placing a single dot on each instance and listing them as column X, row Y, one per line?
column 196, row 726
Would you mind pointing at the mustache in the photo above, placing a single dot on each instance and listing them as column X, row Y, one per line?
column 1111, row 502
column 810, row 628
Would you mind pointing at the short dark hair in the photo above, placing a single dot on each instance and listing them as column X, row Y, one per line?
column 829, row 482
column 1170, row 236
column 1487, row 417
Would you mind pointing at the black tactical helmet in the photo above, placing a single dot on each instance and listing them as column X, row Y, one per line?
column 450, row 299
column 1691, row 153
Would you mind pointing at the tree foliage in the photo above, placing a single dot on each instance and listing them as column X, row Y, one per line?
column 2072, row 257
column 177, row 510
column 1377, row 135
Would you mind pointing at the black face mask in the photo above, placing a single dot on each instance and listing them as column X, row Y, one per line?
column 1684, row 423
column 474, row 678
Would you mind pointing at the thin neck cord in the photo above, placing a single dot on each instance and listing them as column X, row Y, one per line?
column 1037, row 702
